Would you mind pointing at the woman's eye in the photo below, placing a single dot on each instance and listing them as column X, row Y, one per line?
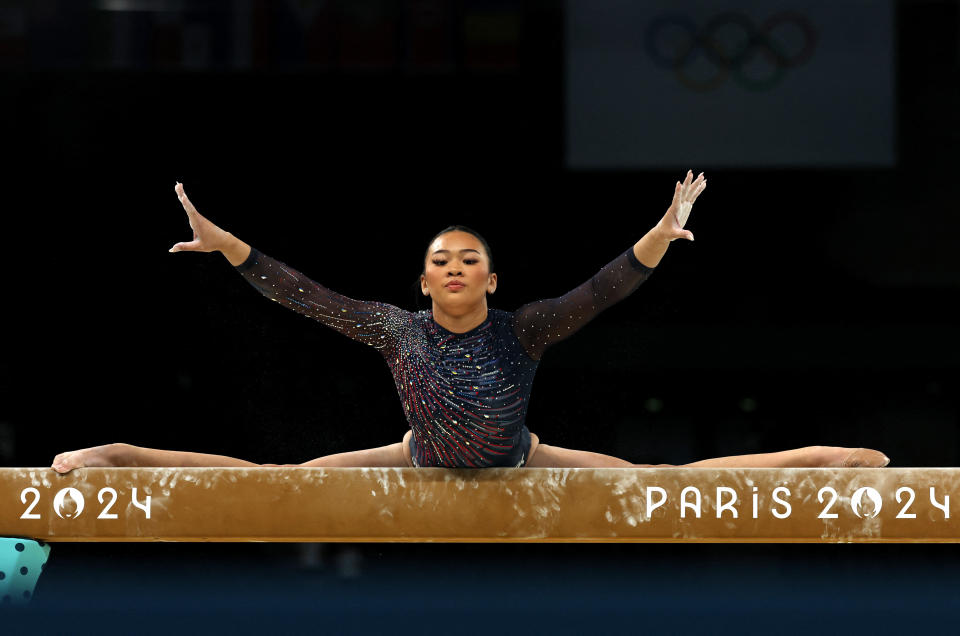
column 439, row 262
column 470, row 261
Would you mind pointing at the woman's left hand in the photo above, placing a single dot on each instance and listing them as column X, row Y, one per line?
column 684, row 194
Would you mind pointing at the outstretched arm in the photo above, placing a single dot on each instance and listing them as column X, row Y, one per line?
column 545, row 322
column 372, row 323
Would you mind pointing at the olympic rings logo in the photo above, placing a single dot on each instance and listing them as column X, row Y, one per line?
column 730, row 44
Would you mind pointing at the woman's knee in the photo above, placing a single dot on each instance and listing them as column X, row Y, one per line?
column 405, row 447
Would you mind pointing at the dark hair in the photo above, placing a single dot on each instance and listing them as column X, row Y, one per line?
column 458, row 228
column 453, row 228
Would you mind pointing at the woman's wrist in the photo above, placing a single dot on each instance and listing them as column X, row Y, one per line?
column 235, row 250
column 651, row 248
column 660, row 233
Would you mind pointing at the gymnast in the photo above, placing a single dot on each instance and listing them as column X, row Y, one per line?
column 463, row 371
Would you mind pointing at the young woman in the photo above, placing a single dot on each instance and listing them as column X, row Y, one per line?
column 463, row 371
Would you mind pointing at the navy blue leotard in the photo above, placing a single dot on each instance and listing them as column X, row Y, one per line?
column 465, row 395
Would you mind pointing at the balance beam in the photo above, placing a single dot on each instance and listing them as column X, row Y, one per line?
column 490, row 505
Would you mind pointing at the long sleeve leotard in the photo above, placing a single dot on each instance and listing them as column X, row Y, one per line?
column 465, row 395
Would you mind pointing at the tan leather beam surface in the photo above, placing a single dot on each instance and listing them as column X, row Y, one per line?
column 504, row 504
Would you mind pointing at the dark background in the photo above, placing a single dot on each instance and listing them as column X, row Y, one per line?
column 817, row 305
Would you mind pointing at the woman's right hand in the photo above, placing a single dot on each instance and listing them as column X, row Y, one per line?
column 207, row 237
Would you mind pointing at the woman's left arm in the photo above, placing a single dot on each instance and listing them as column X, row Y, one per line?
column 542, row 323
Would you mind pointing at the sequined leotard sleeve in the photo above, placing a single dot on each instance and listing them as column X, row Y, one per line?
column 543, row 323
column 372, row 323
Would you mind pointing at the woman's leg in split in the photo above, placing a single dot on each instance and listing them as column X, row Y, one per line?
column 119, row 454
column 397, row 455
column 806, row 457
column 546, row 456
column 392, row 455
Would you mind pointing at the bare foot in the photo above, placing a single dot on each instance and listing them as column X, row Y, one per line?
column 96, row 456
column 838, row 457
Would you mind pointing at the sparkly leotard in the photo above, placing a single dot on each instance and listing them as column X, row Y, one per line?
column 465, row 395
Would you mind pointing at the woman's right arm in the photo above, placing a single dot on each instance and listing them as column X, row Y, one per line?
column 372, row 323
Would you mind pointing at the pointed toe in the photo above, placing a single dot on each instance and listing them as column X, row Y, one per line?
column 865, row 458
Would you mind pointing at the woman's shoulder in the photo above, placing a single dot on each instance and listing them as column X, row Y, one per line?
column 503, row 320
column 421, row 319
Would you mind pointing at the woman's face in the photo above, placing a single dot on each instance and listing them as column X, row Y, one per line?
column 457, row 272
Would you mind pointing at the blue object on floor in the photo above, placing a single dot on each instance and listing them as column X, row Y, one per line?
column 21, row 561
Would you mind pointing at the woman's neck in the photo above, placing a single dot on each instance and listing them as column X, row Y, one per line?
column 460, row 323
